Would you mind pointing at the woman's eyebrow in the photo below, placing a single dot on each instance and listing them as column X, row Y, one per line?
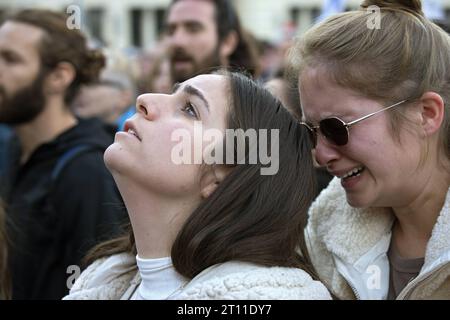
column 192, row 91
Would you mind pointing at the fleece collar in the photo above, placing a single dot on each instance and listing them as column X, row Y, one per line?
column 439, row 244
column 350, row 232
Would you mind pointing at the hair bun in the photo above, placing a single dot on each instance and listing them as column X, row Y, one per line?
column 411, row 6
column 94, row 63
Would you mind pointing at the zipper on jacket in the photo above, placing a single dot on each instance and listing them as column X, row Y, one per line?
column 406, row 292
column 343, row 273
column 350, row 284
column 355, row 292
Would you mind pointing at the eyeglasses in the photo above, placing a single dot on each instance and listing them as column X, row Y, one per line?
column 336, row 130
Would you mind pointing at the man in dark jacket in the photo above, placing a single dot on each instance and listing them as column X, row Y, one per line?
column 6, row 142
column 62, row 199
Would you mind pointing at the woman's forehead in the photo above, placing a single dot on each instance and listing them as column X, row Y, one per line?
column 321, row 97
column 210, row 81
column 316, row 77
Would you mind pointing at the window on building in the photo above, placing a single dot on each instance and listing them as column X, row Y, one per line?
column 94, row 21
column 160, row 21
column 315, row 13
column 295, row 12
column 447, row 14
column 136, row 23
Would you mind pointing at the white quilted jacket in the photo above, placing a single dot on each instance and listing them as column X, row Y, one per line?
column 116, row 277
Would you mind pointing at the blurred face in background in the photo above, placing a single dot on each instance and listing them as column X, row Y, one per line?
column 161, row 81
column 103, row 100
column 192, row 38
column 21, row 78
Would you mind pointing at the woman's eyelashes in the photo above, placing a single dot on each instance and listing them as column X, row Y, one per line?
column 189, row 109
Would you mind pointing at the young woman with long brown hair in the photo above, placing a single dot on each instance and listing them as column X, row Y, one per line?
column 208, row 231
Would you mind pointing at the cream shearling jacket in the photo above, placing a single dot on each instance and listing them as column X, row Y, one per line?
column 116, row 277
column 348, row 247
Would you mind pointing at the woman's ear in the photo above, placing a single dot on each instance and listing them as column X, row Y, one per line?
column 209, row 189
column 212, row 178
column 431, row 112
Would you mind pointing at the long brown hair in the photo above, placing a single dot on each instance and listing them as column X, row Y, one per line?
column 250, row 217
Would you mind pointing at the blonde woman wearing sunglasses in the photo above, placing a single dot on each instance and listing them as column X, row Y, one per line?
column 375, row 100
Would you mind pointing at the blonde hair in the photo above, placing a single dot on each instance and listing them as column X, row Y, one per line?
column 407, row 56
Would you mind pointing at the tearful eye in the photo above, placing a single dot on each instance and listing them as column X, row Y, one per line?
column 190, row 110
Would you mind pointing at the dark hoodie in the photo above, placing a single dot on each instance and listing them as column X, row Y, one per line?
column 6, row 145
column 54, row 224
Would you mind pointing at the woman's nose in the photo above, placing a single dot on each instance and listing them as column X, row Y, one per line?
column 325, row 153
column 147, row 105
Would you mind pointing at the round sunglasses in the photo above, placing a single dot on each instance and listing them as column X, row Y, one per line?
column 336, row 130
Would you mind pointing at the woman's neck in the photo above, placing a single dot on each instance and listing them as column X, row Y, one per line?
column 415, row 222
column 156, row 220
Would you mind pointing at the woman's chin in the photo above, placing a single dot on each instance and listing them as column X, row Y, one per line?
column 357, row 202
column 113, row 157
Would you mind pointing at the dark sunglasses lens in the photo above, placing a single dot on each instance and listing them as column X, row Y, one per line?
column 334, row 130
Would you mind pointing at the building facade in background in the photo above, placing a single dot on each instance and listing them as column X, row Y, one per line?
column 139, row 23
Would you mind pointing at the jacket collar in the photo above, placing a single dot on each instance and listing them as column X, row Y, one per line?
column 439, row 244
column 349, row 232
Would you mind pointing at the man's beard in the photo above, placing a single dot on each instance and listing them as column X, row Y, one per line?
column 25, row 105
column 207, row 65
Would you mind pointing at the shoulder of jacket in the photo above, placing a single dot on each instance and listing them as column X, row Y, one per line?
column 245, row 281
column 85, row 165
column 105, row 278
